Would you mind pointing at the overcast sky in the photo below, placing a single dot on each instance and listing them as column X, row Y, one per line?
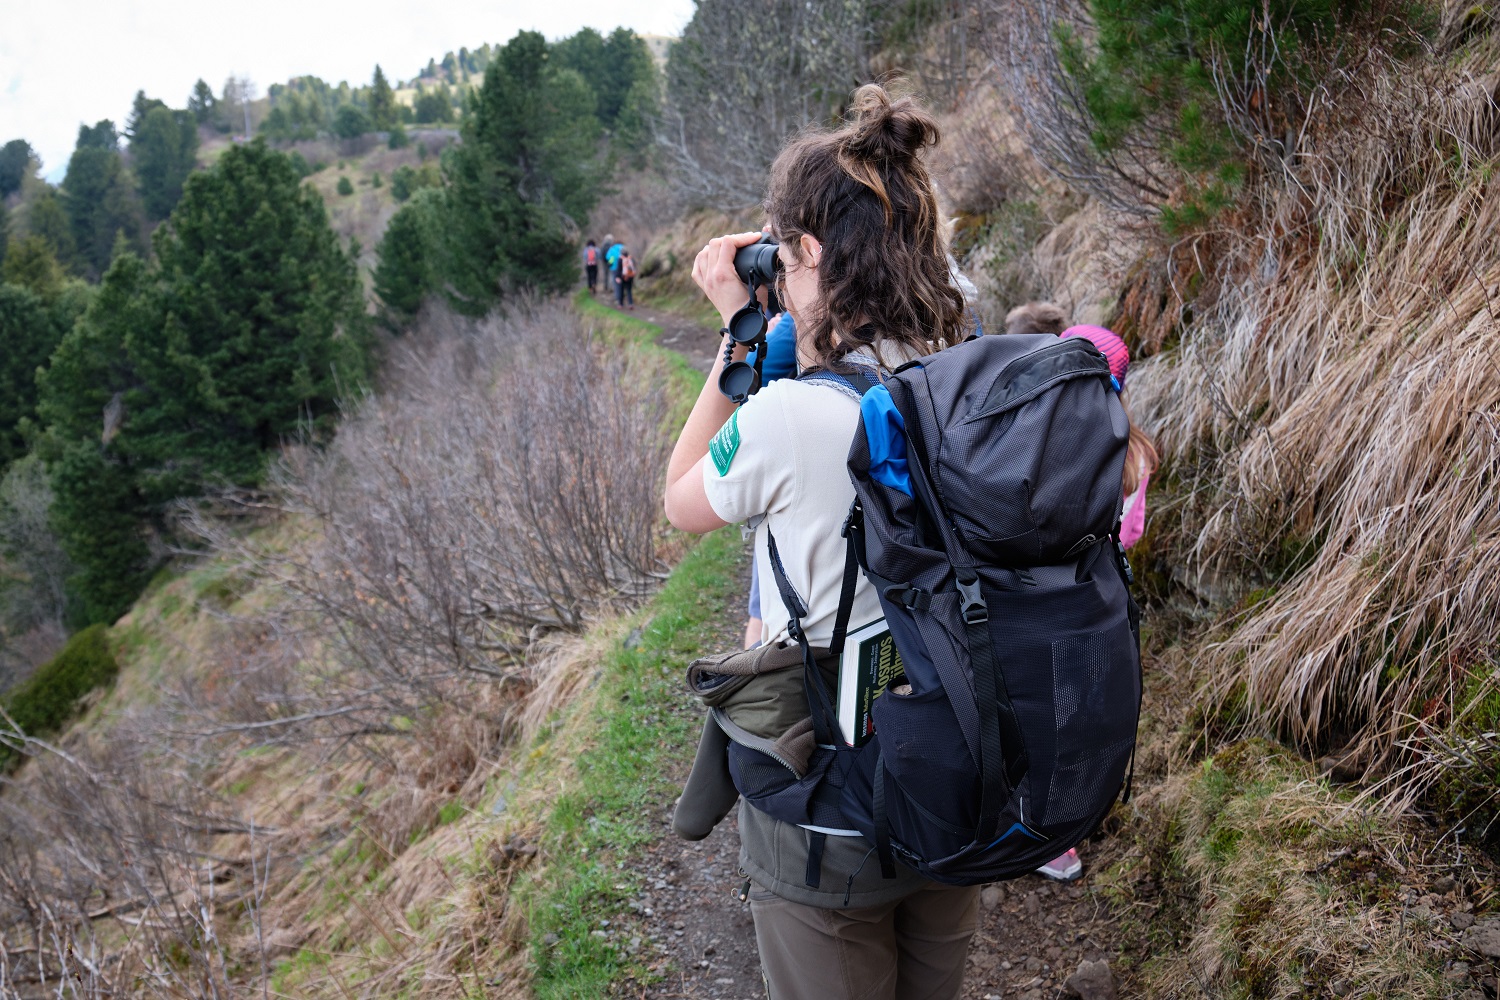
column 63, row 62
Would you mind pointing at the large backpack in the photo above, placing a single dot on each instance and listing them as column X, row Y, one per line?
column 988, row 497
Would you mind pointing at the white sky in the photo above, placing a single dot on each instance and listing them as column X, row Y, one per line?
column 64, row 62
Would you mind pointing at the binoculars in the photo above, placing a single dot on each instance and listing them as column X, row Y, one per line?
column 757, row 265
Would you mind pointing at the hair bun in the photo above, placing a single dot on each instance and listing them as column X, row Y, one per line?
column 881, row 129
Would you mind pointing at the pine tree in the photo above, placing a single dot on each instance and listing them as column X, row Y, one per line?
column 246, row 326
column 31, row 264
column 15, row 163
column 139, row 109
column 101, row 135
column 525, row 176
column 407, row 271
column 349, row 122
column 99, row 199
column 46, row 217
column 262, row 313
column 165, row 147
column 201, row 104
column 28, row 336
column 382, row 108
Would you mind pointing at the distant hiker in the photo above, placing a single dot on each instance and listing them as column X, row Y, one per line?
column 828, row 926
column 612, row 251
column 591, row 265
column 1141, row 458
column 1036, row 317
column 625, row 279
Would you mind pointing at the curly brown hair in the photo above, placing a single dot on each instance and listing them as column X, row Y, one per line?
column 864, row 193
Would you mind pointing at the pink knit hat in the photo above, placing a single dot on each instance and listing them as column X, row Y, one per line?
column 1109, row 344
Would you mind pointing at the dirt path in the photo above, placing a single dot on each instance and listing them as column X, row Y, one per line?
column 691, row 339
column 1033, row 933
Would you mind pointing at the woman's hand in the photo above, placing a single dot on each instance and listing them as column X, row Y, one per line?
column 713, row 271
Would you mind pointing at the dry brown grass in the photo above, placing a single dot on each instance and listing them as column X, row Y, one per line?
column 1337, row 397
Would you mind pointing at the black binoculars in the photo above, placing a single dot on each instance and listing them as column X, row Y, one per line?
column 757, row 265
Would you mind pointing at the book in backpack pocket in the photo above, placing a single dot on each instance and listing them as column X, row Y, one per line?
column 870, row 664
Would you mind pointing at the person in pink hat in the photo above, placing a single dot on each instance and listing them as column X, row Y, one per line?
column 1140, row 463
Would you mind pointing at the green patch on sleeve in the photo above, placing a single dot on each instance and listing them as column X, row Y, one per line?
column 725, row 443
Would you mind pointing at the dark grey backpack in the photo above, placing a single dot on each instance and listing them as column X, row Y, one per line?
column 988, row 485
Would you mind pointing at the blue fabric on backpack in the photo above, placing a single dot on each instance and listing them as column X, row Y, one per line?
column 781, row 352
column 885, row 433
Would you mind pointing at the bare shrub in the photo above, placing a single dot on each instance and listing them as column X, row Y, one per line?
column 33, row 573
column 743, row 77
column 502, row 486
column 109, row 884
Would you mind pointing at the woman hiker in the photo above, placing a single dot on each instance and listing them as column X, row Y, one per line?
column 867, row 280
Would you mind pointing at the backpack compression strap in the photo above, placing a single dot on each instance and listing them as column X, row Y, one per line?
column 1003, row 760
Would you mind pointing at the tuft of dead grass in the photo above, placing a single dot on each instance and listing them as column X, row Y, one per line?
column 1333, row 417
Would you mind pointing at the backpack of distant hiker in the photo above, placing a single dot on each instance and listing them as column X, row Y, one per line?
column 627, row 267
column 591, row 256
column 988, row 497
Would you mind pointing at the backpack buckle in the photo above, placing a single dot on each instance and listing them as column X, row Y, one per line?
column 974, row 609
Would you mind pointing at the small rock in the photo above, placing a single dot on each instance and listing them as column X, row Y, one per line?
column 1053, row 953
column 1033, row 965
column 1033, row 905
column 677, row 925
column 1032, row 995
column 709, row 951
column 1006, row 966
column 1092, row 981
column 549, row 939
column 723, row 982
column 633, row 640
column 1483, row 937
column 1456, row 972
column 599, row 934
column 1462, row 921
column 990, row 896
column 1444, row 884
column 1340, row 987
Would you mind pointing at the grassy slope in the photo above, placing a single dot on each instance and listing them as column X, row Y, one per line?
column 555, row 819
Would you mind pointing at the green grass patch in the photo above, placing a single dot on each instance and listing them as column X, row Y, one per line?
column 638, row 335
column 608, row 811
column 48, row 699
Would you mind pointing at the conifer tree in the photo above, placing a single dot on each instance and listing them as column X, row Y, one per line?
column 46, row 218
column 382, row 102
column 409, row 252
column 244, row 328
column 202, row 104
column 99, row 199
column 31, row 264
column 522, row 181
column 139, row 109
column 28, row 335
column 165, row 147
column 15, row 163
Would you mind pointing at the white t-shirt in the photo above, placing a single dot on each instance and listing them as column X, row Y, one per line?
column 783, row 455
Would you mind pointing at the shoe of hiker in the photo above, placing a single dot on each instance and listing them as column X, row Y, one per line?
column 1063, row 869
